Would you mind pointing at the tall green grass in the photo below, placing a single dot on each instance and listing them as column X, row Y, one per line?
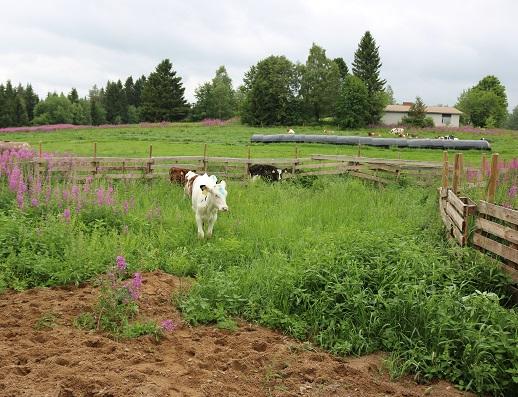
column 345, row 265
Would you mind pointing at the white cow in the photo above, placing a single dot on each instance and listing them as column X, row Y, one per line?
column 208, row 197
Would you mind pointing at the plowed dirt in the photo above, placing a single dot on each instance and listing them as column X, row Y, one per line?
column 63, row 361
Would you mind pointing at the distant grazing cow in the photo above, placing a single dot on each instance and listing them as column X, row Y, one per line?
column 177, row 175
column 397, row 131
column 208, row 197
column 290, row 131
column 448, row 137
column 267, row 172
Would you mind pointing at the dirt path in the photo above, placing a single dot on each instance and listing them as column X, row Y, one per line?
column 203, row 361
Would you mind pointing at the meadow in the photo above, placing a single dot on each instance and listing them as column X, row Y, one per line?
column 232, row 140
column 340, row 263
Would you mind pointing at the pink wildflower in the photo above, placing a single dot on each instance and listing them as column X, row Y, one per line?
column 121, row 263
column 513, row 190
column 66, row 215
column 168, row 325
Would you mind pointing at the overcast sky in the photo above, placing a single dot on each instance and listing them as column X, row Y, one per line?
column 433, row 49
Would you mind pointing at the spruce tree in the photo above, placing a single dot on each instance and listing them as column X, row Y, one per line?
column 366, row 66
column 129, row 90
column 20, row 117
column 138, row 87
column 163, row 95
column 342, row 67
column 73, row 96
column 31, row 100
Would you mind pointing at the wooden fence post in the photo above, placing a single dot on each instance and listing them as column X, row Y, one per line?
column 94, row 162
column 483, row 167
column 247, row 165
column 205, row 162
column 492, row 179
column 150, row 161
column 359, row 149
column 456, row 169
column 445, row 170
column 461, row 170
column 296, row 162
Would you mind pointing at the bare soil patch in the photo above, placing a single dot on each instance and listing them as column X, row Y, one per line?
column 63, row 361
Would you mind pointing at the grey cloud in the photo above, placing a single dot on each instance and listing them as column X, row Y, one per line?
column 434, row 50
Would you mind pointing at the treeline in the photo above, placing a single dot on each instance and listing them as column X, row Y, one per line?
column 158, row 97
column 275, row 91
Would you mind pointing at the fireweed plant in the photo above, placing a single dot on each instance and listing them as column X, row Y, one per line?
column 118, row 305
column 507, row 184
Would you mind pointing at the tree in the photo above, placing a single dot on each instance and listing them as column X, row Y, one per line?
column 366, row 66
column 163, row 95
column 417, row 115
column 352, row 105
column 485, row 104
column 55, row 109
column 97, row 111
column 5, row 115
column 389, row 94
column 115, row 103
column 31, row 99
column 20, row 117
column 215, row 99
column 320, row 83
column 138, row 87
column 81, row 114
column 342, row 67
column 222, row 102
column 512, row 121
column 129, row 91
column 201, row 109
column 73, row 96
column 270, row 90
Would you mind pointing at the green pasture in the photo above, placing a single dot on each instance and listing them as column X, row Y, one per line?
column 331, row 260
column 233, row 140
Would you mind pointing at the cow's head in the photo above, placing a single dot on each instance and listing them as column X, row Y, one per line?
column 217, row 195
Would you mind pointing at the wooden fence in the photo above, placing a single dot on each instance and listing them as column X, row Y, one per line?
column 494, row 227
column 381, row 171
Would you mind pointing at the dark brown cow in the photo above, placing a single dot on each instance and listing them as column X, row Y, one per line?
column 177, row 175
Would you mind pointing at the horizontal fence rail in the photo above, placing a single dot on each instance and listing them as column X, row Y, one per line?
column 382, row 171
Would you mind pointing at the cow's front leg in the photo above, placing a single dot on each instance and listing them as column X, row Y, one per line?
column 212, row 221
column 199, row 223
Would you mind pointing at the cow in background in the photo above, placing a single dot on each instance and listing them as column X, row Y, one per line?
column 177, row 175
column 208, row 198
column 265, row 171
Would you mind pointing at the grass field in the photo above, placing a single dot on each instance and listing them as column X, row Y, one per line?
column 232, row 140
column 345, row 265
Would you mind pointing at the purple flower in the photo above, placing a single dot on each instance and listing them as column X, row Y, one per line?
column 513, row 190
column 100, row 196
column 125, row 206
column 168, row 325
column 66, row 214
column 34, row 202
column 134, row 286
column 121, row 263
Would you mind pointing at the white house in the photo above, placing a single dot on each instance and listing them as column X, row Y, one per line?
column 441, row 115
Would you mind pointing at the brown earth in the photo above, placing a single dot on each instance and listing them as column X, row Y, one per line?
column 63, row 361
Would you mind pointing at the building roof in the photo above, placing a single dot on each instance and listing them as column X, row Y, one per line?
column 429, row 109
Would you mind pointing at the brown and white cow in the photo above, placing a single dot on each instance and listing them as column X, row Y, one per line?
column 177, row 175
